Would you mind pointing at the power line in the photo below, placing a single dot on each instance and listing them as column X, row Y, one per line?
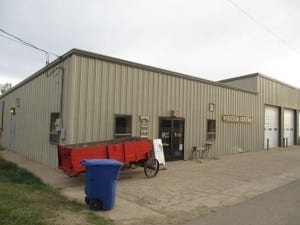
column 264, row 27
column 27, row 43
column 20, row 41
column 9, row 38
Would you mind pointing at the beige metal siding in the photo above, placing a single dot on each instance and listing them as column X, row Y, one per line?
column 97, row 88
column 299, row 99
column 38, row 98
column 248, row 82
column 102, row 89
column 278, row 94
column 298, row 127
column 272, row 92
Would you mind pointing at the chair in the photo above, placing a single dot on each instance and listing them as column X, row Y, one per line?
column 201, row 151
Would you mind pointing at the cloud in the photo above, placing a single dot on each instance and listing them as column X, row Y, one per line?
column 210, row 39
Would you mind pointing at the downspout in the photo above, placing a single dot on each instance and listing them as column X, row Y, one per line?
column 62, row 77
column 62, row 134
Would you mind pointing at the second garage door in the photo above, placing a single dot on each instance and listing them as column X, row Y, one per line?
column 289, row 126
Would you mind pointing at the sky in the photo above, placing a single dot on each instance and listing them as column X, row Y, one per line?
column 212, row 39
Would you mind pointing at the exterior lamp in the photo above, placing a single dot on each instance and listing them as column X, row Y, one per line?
column 211, row 107
column 12, row 111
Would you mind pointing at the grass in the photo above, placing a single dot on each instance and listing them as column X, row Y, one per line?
column 26, row 200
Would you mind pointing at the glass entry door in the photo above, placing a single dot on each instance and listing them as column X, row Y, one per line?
column 171, row 132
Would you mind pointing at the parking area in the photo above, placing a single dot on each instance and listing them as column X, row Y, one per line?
column 187, row 189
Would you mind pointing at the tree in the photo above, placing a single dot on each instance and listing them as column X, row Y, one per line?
column 5, row 87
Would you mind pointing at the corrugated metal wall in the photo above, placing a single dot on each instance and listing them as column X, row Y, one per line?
column 38, row 98
column 298, row 126
column 276, row 93
column 248, row 82
column 102, row 89
column 98, row 88
column 272, row 92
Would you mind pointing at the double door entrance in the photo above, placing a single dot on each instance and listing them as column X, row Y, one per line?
column 171, row 132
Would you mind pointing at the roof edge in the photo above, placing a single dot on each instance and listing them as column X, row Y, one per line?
column 155, row 69
column 240, row 77
column 262, row 76
column 39, row 72
column 278, row 81
column 76, row 51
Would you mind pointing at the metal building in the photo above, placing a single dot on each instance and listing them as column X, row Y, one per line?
column 86, row 97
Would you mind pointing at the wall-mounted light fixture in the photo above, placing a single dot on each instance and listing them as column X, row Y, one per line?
column 174, row 113
column 211, row 107
column 12, row 111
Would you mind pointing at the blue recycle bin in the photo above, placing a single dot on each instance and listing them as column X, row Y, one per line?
column 100, row 182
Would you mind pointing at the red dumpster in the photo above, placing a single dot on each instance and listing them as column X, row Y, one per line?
column 137, row 151
column 69, row 156
column 130, row 151
column 116, row 151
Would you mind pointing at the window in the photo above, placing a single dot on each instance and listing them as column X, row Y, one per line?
column 54, row 132
column 211, row 130
column 123, row 126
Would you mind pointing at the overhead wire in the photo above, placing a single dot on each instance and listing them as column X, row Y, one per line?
column 264, row 27
column 14, row 38
column 9, row 38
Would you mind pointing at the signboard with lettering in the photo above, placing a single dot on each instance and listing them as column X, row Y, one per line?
column 159, row 151
column 236, row 119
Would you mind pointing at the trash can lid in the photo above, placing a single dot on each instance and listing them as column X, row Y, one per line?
column 101, row 162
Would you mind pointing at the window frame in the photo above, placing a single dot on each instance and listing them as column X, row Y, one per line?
column 211, row 127
column 128, row 130
column 53, row 133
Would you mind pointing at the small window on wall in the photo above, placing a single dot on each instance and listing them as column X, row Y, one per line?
column 211, row 130
column 54, row 132
column 123, row 127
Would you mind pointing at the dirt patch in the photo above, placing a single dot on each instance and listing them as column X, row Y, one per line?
column 67, row 217
column 171, row 218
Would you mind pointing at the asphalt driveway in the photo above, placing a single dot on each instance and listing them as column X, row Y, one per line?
column 187, row 189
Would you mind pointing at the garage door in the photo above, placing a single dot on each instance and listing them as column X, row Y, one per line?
column 289, row 126
column 271, row 126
